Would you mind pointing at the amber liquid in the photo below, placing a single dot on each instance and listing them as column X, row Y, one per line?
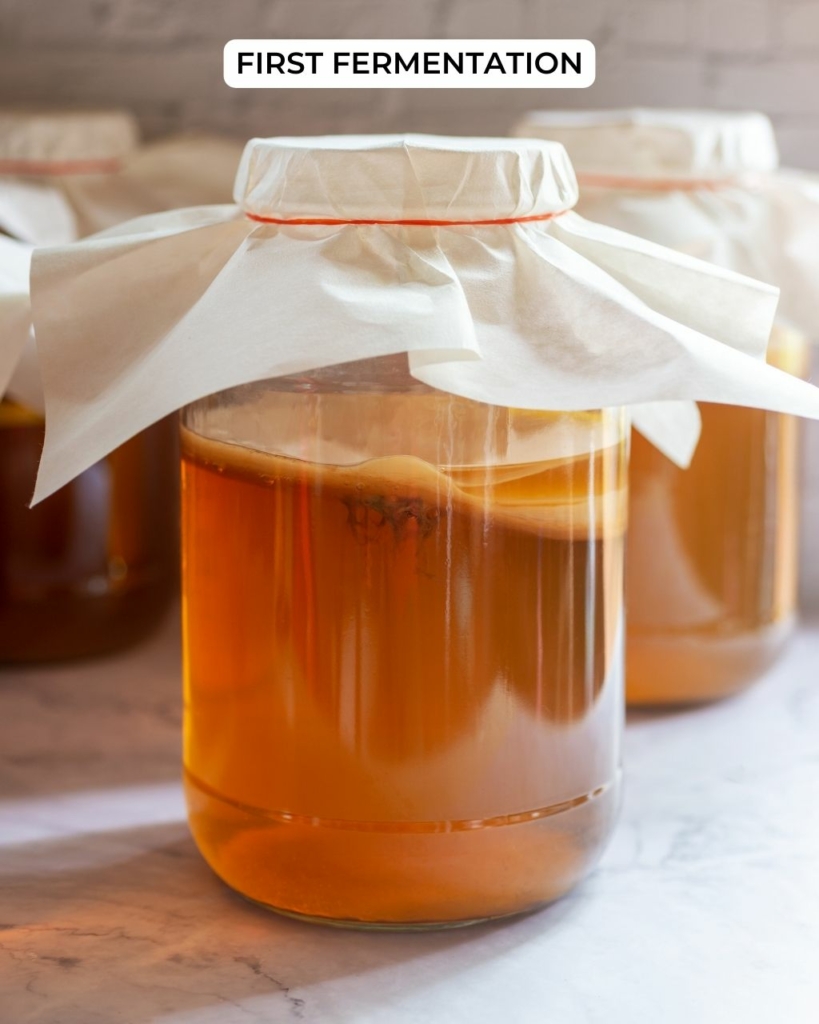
column 402, row 681
column 92, row 568
column 712, row 553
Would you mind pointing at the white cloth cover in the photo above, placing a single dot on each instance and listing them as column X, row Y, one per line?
column 15, row 314
column 659, row 145
column 184, row 170
column 705, row 183
column 39, row 137
column 519, row 302
column 65, row 175
column 42, row 153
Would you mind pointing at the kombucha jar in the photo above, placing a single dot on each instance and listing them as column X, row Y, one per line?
column 402, row 364
column 91, row 569
column 711, row 563
column 713, row 548
column 402, row 632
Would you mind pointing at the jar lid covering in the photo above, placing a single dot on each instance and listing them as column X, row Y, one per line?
column 404, row 177
column 462, row 253
column 63, row 138
column 705, row 183
column 659, row 144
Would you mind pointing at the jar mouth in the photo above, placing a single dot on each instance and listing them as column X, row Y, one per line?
column 62, row 143
column 413, row 179
column 678, row 148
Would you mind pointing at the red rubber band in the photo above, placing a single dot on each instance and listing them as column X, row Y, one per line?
column 59, row 168
column 332, row 221
column 614, row 181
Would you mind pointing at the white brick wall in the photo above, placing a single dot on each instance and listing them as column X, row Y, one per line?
column 798, row 29
column 657, row 26
column 163, row 59
column 735, row 26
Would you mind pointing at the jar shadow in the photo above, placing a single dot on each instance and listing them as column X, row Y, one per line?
column 134, row 921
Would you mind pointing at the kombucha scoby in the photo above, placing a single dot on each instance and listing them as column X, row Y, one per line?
column 403, row 676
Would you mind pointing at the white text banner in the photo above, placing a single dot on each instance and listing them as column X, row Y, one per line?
column 409, row 63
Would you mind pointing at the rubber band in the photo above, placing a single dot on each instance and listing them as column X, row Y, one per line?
column 614, row 181
column 59, row 168
column 410, row 222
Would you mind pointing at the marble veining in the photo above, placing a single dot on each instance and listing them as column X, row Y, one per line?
column 705, row 909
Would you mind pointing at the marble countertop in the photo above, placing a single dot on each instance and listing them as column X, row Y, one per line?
column 705, row 909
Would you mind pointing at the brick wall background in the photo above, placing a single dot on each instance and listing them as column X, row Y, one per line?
column 163, row 59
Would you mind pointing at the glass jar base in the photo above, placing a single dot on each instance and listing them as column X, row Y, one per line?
column 668, row 669
column 385, row 926
column 401, row 875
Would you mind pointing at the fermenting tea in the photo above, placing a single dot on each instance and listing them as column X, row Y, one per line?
column 711, row 575
column 92, row 568
column 401, row 674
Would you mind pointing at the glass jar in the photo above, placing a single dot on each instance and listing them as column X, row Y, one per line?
column 402, row 644
column 711, row 562
column 809, row 517
column 712, row 551
column 91, row 569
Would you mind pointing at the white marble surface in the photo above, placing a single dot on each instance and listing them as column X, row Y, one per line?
column 705, row 909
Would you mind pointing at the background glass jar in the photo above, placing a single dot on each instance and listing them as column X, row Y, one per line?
column 91, row 569
column 711, row 563
column 403, row 645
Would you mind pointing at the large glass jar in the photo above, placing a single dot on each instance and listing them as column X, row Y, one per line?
column 403, row 632
column 92, row 568
column 711, row 564
column 711, row 573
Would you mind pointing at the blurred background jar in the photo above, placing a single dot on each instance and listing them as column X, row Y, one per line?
column 93, row 568
column 403, row 626
column 711, row 561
